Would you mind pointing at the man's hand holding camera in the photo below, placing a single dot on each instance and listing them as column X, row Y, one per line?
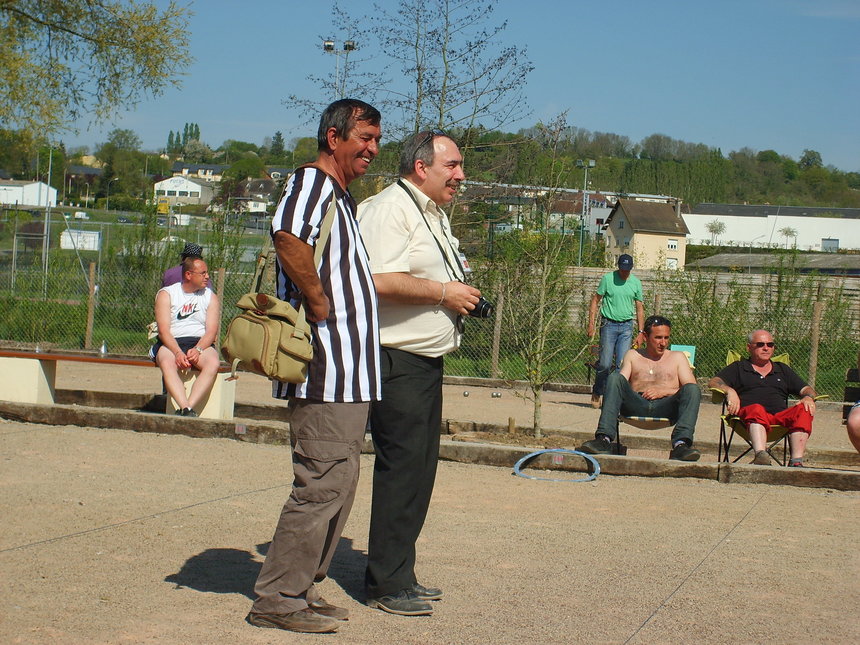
column 459, row 297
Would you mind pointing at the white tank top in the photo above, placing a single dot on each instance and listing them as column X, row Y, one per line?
column 187, row 310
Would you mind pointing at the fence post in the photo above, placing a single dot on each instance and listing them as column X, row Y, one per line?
column 91, row 308
column 497, row 334
column 219, row 289
column 658, row 298
column 815, row 334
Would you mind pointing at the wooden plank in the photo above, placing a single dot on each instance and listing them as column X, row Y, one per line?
column 88, row 358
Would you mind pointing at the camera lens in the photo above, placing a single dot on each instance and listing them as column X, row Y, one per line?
column 483, row 309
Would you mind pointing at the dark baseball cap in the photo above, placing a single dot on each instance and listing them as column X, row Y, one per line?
column 192, row 250
column 625, row 262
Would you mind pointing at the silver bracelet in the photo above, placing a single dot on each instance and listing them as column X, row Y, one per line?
column 442, row 299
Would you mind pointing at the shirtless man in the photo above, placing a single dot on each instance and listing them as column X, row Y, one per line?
column 653, row 382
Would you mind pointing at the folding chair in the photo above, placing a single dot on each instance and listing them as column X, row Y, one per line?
column 778, row 434
column 652, row 423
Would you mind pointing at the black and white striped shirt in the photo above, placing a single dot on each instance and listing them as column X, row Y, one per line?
column 345, row 366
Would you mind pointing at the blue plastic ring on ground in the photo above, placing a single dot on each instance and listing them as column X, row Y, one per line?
column 529, row 457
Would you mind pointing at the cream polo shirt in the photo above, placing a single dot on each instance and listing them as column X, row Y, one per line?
column 399, row 241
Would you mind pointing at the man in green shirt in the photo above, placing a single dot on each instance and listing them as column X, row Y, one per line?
column 619, row 297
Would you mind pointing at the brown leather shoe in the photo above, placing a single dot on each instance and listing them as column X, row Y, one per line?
column 304, row 620
column 324, row 608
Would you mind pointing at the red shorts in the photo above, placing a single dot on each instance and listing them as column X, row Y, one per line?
column 796, row 418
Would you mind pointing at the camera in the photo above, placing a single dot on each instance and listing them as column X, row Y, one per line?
column 483, row 309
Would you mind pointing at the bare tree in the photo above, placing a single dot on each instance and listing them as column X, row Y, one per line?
column 451, row 69
column 531, row 272
column 459, row 72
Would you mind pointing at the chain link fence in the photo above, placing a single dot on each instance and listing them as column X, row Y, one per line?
column 79, row 302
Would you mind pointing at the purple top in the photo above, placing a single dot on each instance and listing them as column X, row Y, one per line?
column 174, row 275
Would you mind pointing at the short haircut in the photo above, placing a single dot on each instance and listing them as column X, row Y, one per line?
column 188, row 264
column 342, row 116
column 754, row 332
column 419, row 146
column 656, row 321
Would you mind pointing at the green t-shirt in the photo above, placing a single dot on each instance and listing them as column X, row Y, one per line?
column 619, row 296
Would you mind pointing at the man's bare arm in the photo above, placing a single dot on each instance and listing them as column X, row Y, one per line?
column 733, row 400
column 685, row 372
column 807, row 400
column 592, row 313
column 297, row 259
column 407, row 289
column 639, row 337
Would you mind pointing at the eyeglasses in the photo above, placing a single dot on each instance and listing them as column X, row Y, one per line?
column 435, row 132
column 762, row 344
column 200, row 272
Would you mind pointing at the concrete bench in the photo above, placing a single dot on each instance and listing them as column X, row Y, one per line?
column 30, row 377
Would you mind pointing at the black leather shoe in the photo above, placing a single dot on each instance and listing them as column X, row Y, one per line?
column 403, row 603
column 683, row 452
column 426, row 593
column 598, row 446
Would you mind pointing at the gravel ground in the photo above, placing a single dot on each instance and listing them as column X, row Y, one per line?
column 112, row 536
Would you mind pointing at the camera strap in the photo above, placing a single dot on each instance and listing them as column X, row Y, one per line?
column 449, row 266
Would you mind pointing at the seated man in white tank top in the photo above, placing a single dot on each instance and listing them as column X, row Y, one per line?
column 188, row 317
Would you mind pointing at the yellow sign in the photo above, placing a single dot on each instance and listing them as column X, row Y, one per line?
column 163, row 206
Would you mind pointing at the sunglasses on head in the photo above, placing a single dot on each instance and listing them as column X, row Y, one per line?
column 435, row 132
column 762, row 344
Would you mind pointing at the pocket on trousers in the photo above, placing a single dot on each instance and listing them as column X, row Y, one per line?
column 320, row 468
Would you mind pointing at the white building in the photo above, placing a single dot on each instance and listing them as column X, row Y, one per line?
column 23, row 194
column 766, row 227
column 184, row 190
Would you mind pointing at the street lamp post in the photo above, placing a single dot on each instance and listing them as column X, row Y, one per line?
column 586, row 164
column 107, row 201
column 749, row 253
column 348, row 46
column 87, row 198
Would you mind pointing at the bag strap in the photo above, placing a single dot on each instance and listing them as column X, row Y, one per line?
column 322, row 238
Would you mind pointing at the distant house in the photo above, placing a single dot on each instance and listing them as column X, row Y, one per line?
column 209, row 172
column 184, row 190
column 21, row 194
column 653, row 232
column 278, row 172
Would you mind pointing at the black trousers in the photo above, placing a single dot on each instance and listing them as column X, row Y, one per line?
column 405, row 426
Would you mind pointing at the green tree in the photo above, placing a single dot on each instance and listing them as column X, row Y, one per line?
column 60, row 61
column 249, row 167
column 276, row 149
column 788, row 232
column 716, row 228
column 810, row 159
column 304, row 150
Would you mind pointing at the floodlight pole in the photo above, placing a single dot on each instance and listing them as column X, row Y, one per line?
column 586, row 164
column 348, row 46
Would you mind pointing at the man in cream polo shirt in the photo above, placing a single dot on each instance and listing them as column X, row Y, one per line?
column 419, row 279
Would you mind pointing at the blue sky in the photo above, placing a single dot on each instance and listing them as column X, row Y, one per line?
column 765, row 74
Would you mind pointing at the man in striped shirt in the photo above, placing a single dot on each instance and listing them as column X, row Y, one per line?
column 329, row 411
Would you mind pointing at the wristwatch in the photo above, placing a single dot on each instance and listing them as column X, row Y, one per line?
column 199, row 351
